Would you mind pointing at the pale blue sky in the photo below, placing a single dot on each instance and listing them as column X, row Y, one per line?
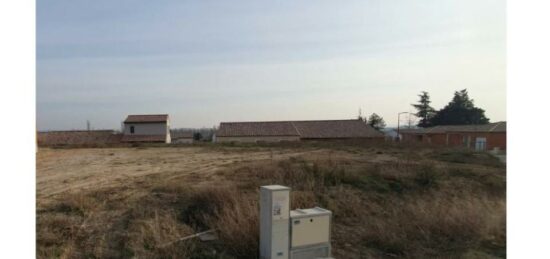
column 204, row 61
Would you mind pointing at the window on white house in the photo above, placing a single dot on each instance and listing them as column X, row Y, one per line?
column 131, row 129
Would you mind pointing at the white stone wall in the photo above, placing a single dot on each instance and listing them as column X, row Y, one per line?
column 148, row 129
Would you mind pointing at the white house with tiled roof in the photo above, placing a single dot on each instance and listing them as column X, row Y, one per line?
column 147, row 128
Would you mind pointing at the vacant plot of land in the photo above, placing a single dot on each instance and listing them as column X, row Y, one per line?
column 387, row 202
column 62, row 170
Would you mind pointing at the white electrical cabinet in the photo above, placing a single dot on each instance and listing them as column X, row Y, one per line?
column 310, row 233
column 274, row 221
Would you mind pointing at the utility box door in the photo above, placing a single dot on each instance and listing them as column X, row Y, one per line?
column 309, row 228
column 274, row 221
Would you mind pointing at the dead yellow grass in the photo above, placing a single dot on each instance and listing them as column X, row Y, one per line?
column 382, row 207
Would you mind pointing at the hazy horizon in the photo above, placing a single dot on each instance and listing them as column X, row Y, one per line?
column 205, row 62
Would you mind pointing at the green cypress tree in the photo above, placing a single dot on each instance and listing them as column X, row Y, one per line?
column 424, row 111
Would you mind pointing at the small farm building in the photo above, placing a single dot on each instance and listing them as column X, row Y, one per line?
column 147, row 128
column 276, row 131
column 181, row 137
column 490, row 136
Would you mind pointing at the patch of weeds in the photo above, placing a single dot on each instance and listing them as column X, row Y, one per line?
column 426, row 176
column 375, row 182
column 332, row 176
column 67, row 208
column 127, row 252
column 392, row 249
column 494, row 182
column 496, row 249
column 467, row 157
column 464, row 173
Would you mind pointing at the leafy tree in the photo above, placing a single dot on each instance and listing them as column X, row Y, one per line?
column 460, row 111
column 424, row 111
column 376, row 122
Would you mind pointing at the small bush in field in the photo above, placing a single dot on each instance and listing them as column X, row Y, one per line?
column 426, row 176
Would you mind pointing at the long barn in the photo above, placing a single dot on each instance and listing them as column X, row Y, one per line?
column 276, row 131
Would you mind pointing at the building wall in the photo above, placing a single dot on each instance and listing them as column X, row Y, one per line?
column 182, row 141
column 439, row 139
column 497, row 140
column 460, row 139
column 148, row 129
column 257, row 139
column 407, row 137
column 468, row 139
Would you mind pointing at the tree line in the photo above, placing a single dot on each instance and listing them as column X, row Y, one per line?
column 459, row 111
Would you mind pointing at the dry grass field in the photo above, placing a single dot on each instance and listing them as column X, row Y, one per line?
column 388, row 202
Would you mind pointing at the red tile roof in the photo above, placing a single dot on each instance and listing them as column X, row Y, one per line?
column 146, row 118
column 335, row 129
column 320, row 129
column 259, row 128
column 143, row 138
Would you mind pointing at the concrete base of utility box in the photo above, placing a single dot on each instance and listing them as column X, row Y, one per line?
column 311, row 252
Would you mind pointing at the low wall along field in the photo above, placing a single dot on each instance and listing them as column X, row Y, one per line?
column 77, row 138
column 388, row 201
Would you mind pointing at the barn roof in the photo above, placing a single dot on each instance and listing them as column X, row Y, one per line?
column 256, row 128
column 335, row 129
column 490, row 127
column 146, row 118
column 317, row 129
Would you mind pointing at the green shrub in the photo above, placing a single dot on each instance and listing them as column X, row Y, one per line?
column 426, row 176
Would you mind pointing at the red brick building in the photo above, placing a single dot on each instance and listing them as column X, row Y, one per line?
column 479, row 137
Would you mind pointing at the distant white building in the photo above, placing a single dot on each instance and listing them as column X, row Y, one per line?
column 147, row 128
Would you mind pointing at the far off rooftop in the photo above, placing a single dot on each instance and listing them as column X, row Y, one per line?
column 276, row 131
